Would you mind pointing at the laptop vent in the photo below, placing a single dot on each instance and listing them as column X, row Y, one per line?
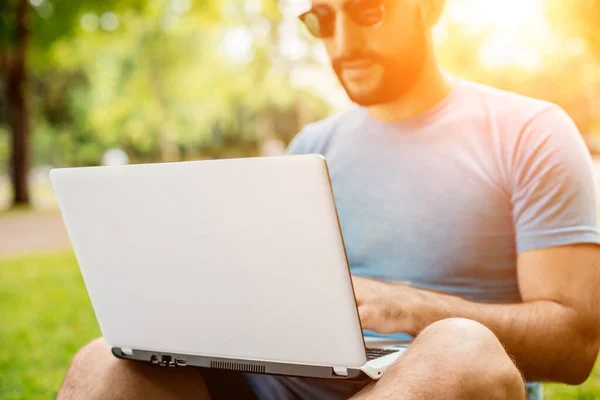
column 238, row 366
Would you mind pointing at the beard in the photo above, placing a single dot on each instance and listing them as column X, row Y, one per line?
column 397, row 73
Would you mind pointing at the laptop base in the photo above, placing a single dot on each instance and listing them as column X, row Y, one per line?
column 172, row 360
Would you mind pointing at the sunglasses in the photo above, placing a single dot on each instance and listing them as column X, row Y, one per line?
column 320, row 20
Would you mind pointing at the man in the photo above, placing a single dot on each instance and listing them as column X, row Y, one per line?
column 482, row 200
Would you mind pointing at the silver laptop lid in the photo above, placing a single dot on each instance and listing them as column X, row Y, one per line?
column 234, row 258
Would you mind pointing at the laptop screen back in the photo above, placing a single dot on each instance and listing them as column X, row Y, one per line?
column 234, row 258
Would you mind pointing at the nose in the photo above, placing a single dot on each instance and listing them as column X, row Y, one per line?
column 348, row 36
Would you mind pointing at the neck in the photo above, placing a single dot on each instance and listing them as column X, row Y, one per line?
column 431, row 87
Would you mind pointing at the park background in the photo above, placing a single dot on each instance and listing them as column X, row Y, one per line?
column 91, row 82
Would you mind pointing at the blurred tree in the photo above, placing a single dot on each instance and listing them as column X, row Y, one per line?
column 162, row 79
column 26, row 30
column 29, row 31
column 13, row 49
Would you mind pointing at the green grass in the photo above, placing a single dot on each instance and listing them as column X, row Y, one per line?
column 45, row 316
column 590, row 390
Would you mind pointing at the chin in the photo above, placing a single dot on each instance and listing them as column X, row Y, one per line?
column 365, row 101
column 370, row 99
column 370, row 95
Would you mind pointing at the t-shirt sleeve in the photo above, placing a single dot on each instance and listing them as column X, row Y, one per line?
column 553, row 197
column 299, row 144
column 311, row 139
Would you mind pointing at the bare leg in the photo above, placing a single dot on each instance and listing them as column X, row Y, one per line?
column 96, row 374
column 453, row 359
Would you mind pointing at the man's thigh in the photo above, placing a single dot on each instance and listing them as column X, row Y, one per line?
column 235, row 385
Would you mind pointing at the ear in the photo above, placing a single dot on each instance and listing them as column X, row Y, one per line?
column 431, row 11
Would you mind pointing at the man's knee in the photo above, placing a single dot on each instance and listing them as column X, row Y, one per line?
column 455, row 329
column 82, row 377
column 96, row 374
column 473, row 358
column 469, row 339
column 95, row 351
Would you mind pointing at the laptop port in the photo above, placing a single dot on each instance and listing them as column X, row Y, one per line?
column 180, row 363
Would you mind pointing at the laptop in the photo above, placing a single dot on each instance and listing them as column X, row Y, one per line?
column 229, row 264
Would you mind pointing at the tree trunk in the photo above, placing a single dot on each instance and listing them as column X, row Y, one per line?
column 18, row 112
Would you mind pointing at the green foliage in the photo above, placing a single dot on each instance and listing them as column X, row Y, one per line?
column 7, row 25
column 4, row 149
column 155, row 78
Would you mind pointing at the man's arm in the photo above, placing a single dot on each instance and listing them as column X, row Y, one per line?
column 553, row 335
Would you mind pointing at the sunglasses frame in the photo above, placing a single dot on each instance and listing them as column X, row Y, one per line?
column 344, row 8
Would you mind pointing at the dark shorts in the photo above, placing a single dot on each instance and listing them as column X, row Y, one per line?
column 226, row 385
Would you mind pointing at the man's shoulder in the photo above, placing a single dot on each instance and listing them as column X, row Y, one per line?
column 516, row 117
column 526, row 127
column 502, row 102
column 315, row 137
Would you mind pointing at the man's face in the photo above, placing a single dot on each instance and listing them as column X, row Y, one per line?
column 377, row 47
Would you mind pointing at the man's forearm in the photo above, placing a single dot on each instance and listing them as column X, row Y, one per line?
column 542, row 336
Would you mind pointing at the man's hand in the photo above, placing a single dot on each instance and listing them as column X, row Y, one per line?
column 384, row 307
column 554, row 335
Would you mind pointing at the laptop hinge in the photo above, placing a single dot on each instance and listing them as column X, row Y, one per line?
column 340, row 371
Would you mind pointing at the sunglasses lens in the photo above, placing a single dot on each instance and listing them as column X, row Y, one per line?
column 366, row 12
column 368, row 18
column 312, row 23
column 319, row 22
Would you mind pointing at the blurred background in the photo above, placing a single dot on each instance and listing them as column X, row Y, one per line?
column 96, row 82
